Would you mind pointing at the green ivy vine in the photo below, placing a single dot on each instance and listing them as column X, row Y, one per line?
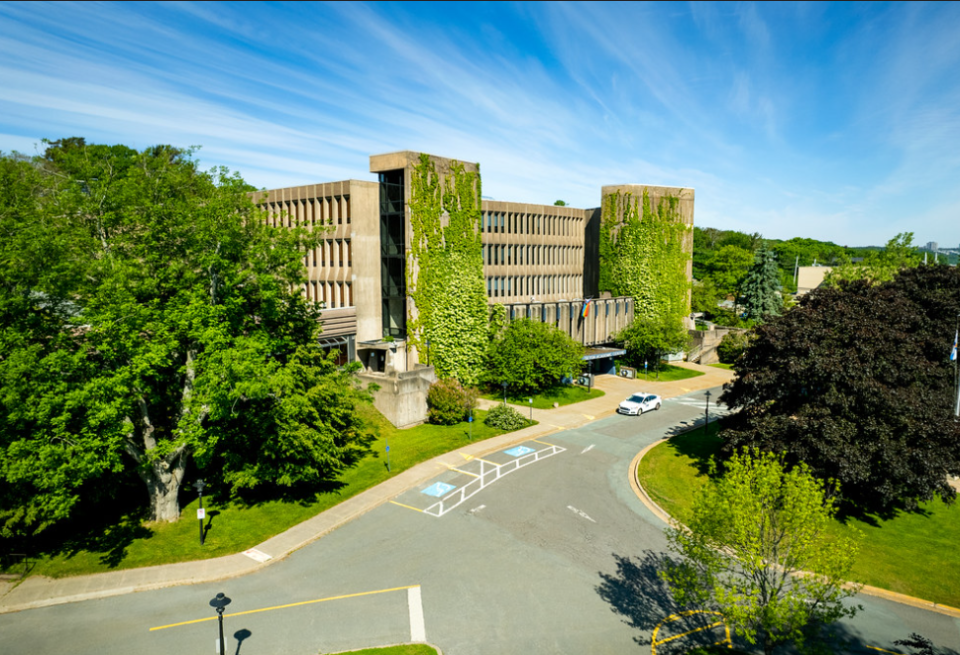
column 445, row 269
column 642, row 254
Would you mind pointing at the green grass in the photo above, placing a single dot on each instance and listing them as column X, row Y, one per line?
column 668, row 373
column 563, row 395
column 403, row 649
column 236, row 527
column 725, row 367
column 913, row 553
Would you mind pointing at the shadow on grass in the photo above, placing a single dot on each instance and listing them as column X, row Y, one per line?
column 698, row 445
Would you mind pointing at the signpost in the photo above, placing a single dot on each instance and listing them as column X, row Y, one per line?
column 531, row 409
column 470, row 425
column 199, row 485
column 388, row 456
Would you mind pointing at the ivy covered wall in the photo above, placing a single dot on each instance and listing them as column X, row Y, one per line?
column 645, row 248
column 445, row 268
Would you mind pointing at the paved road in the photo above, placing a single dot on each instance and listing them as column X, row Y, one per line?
column 554, row 557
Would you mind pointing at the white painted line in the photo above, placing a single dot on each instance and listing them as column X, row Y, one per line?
column 586, row 449
column 578, row 512
column 477, row 509
column 258, row 555
column 418, row 632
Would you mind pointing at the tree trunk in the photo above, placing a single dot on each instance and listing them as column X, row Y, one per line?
column 162, row 474
column 163, row 485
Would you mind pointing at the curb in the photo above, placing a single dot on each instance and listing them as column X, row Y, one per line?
column 244, row 566
column 877, row 592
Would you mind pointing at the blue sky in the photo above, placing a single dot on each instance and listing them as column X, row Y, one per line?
column 832, row 121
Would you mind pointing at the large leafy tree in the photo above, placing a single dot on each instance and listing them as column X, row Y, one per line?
column 729, row 267
column 531, row 356
column 149, row 318
column 856, row 382
column 758, row 549
column 761, row 286
column 648, row 340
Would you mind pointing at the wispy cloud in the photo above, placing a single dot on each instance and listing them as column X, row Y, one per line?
column 837, row 122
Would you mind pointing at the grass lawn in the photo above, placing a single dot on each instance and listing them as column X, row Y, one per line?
column 403, row 649
column 911, row 553
column 563, row 395
column 236, row 527
column 725, row 367
column 668, row 373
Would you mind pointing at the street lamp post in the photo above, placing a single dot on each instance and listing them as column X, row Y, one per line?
column 531, row 409
column 199, row 486
column 706, row 410
column 219, row 603
column 504, row 394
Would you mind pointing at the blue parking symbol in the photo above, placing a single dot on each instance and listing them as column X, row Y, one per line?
column 438, row 489
column 519, row 451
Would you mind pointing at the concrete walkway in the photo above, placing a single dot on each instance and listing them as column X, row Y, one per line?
column 39, row 591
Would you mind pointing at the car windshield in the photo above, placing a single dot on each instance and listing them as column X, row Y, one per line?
column 636, row 398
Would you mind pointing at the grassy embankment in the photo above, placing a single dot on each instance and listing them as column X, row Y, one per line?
column 126, row 542
column 563, row 395
column 908, row 553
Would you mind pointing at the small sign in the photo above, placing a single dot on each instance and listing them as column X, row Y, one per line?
column 201, row 513
column 388, row 449
column 470, row 419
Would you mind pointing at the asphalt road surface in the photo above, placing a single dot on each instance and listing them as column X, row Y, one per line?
column 556, row 556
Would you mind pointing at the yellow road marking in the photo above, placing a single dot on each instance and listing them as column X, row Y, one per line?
column 486, row 461
column 589, row 417
column 466, row 457
column 416, row 509
column 543, row 442
column 281, row 607
column 674, row 617
column 690, row 632
column 884, row 650
column 452, row 468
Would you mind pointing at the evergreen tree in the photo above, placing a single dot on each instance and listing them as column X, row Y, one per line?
column 761, row 288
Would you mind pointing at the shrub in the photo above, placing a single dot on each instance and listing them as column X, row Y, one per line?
column 505, row 418
column 531, row 356
column 449, row 402
column 732, row 347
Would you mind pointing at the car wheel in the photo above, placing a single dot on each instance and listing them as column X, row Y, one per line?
column 639, row 411
column 658, row 406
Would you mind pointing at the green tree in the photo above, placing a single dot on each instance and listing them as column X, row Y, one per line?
column 651, row 339
column 729, row 267
column 856, row 383
column 877, row 265
column 531, row 356
column 761, row 286
column 150, row 319
column 559, row 203
column 758, row 550
column 704, row 296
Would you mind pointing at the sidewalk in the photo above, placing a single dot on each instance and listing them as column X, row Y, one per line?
column 38, row 591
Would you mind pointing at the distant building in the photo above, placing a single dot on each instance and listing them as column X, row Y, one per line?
column 810, row 277
column 932, row 246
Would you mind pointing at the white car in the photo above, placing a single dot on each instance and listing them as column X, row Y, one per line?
column 639, row 403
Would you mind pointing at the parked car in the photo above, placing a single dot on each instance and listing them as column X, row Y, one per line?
column 639, row 403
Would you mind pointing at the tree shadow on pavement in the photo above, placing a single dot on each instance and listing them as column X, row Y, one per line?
column 638, row 593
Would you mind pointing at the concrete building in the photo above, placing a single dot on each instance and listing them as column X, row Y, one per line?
column 539, row 261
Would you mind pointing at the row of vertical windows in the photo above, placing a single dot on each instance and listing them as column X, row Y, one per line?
column 515, row 254
column 513, row 223
column 330, row 252
column 333, row 294
column 533, row 285
column 332, row 210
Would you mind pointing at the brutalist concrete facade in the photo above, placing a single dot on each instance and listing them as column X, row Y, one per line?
column 540, row 261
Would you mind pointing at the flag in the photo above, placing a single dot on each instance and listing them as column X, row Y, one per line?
column 953, row 353
column 586, row 309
